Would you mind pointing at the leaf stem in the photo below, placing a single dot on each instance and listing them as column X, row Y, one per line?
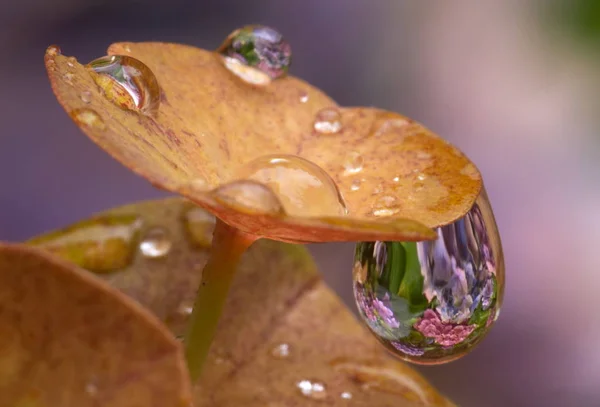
column 228, row 246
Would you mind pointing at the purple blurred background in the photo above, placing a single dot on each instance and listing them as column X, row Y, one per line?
column 518, row 95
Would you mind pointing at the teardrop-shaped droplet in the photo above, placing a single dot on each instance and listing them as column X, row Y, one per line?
column 156, row 242
column 258, row 47
column 328, row 121
column 88, row 118
column 312, row 389
column 101, row 245
column 303, row 187
column 199, row 225
column 127, row 82
column 431, row 302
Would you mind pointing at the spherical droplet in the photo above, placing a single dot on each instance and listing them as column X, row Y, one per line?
column 186, row 308
column 346, row 395
column 303, row 97
column 281, row 351
column 127, row 82
column 71, row 62
column 353, row 163
column 259, row 47
column 156, row 242
column 86, row 96
column 53, row 50
column 431, row 302
column 355, row 186
column 386, row 205
column 312, row 389
column 303, row 187
column 89, row 118
column 328, row 121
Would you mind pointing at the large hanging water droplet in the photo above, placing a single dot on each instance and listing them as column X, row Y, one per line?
column 101, row 245
column 303, row 187
column 312, row 389
column 328, row 121
column 431, row 302
column 156, row 243
column 127, row 82
column 258, row 47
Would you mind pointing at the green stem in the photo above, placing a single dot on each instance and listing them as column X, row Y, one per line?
column 228, row 246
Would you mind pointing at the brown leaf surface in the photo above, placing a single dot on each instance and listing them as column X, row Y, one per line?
column 210, row 125
column 67, row 339
column 277, row 298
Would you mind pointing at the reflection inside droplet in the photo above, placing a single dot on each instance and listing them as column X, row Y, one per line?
column 249, row 195
column 259, row 48
column 156, row 242
column 303, row 187
column 431, row 302
column 127, row 82
column 328, row 121
column 312, row 389
column 246, row 73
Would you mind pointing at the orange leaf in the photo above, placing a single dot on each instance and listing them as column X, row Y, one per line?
column 396, row 178
column 69, row 339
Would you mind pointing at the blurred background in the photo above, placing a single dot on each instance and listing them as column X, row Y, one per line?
column 515, row 84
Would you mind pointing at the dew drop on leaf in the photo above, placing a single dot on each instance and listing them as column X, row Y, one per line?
column 312, row 389
column 156, row 242
column 304, row 188
column 260, row 48
column 386, row 205
column 431, row 302
column 86, row 96
column 353, row 163
column 53, row 50
column 88, row 118
column 328, row 121
column 281, row 351
column 346, row 395
column 127, row 82
column 355, row 186
column 303, row 97
column 199, row 225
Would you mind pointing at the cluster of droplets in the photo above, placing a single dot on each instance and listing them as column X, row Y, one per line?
column 257, row 54
column 431, row 302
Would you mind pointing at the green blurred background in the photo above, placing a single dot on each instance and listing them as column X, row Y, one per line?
column 515, row 84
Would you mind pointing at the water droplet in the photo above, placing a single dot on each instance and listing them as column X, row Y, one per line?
column 127, row 48
column 71, row 62
column 199, row 225
column 89, row 118
column 353, row 163
column 303, row 187
column 247, row 73
column 86, row 96
column 389, row 124
column 312, row 389
column 91, row 389
column 303, row 97
column 68, row 77
column 260, row 48
column 328, row 121
column 250, row 196
column 421, row 177
column 386, row 205
column 396, row 179
column 156, row 243
column 281, row 351
column 101, row 244
column 186, row 308
column 431, row 302
column 346, row 395
column 355, row 186
column 53, row 50
column 127, row 82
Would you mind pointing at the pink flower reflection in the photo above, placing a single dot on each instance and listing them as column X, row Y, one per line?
column 445, row 334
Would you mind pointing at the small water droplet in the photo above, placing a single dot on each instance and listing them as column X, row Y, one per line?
column 421, row 177
column 68, row 77
column 127, row 48
column 304, row 188
column 91, row 389
column 86, row 96
column 431, row 302
column 355, row 186
column 396, row 179
column 250, row 196
column 281, row 351
column 386, row 205
column 328, row 121
column 53, row 50
column 312, row 389
column 71, row 62
column 353, row 163
column 199, row 225
column 247, row 73
column 260, row 48
column 303, row 97
column 127, row 82
column 346, row 395
column 389, row 124
column 186, row 308
column 155, row 243
column 89, row 118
